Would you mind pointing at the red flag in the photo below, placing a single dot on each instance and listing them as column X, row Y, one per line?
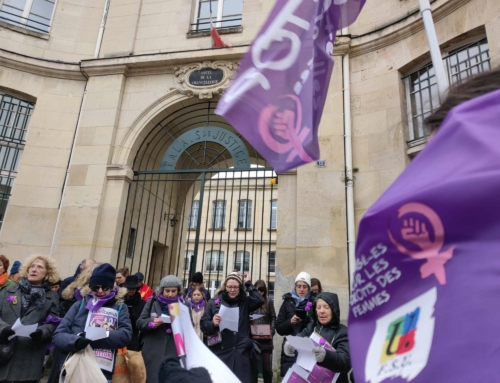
column 216, row 39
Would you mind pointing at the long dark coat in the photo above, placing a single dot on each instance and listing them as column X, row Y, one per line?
column 27, row 362
column 284, row 327
column 135, row 307
column 335, row 334
column 156, row 342
column 236, row 347
column 74, row 322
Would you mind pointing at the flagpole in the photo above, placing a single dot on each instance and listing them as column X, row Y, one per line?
column 437, row 60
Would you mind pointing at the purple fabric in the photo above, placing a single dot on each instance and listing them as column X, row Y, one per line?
column 78, row 295
column 151, row 325
column 168, row 301
column 55, row 321
column 197, row 306
column 96, row 303
column 423, row 307
column 276, row 99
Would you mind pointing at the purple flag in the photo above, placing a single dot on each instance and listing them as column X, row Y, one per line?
column 424, row 306
column 277, row 97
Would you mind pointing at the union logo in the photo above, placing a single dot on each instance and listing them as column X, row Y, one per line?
column 400, row 336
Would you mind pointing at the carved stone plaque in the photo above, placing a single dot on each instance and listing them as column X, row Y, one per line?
column 206, row 77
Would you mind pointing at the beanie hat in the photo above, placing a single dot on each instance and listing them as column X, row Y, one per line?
column 304, row 277
column 15, row 267
column 197, row 278
column 140, row 276
column 234, row 275
column 170, row 281
column 103, row 275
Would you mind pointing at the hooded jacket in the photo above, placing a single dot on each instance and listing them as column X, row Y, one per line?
column 335, row 334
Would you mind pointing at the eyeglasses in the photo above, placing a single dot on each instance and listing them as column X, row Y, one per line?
column 232, row 287
column 96, row 288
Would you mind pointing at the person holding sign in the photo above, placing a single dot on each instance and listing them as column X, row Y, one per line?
column 100, row 320
column 233, row 346
column 332, row 352
column 28, row 303
column 155, row 326
column 295, row 314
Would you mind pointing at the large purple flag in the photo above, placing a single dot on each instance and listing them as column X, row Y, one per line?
column 425, row 302
column 277, row 97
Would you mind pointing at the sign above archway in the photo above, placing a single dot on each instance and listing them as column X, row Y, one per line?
column 227, row 139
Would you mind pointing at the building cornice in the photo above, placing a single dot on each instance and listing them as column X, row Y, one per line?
column 401, row 30
column 49, row 68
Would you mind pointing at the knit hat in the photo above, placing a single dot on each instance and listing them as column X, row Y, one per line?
column 103, row 275
column 140, row 276
column 15, row 267
column 304, row 277
column 170, row 281
column 234, row 275
column 197, row 278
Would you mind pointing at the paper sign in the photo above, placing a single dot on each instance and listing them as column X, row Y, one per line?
column 22, row 330
column 198, row 354
column 230, row 317
column 295, row 374
column 165, row 318
column 96, row 333
column 256, row 316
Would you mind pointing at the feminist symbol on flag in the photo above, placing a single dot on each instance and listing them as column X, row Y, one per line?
column 280, row 126
column 416, row 232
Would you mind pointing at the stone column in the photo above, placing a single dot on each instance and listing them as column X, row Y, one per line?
column 85, row 195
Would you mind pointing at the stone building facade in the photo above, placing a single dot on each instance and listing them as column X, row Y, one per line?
column 87, row 106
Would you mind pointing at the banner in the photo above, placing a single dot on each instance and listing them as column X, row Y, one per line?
column 106, row 318
column 277, row 97
column 424, row 306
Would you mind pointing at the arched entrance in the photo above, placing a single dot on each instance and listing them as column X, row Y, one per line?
column 201, row 200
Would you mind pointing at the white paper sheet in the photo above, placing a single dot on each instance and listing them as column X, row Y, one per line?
column 230, row 317
column 199, row 355
column 256, row 316
column 165, row 318
column 22, row 330
column 300, row 343
column 295, row 374
column 306, row 358
column 96, row 333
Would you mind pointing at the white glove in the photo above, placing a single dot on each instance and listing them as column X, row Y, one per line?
column 319, row 353
column 289, row 350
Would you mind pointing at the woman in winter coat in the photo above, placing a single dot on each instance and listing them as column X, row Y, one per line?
column 33, row 302
column 235, row 347
column 157, row 337
column 197, row 302
column 105, row 299
column 293, row 316
column 135, row 305
column 266, row 345
column 4, row 275
column 326, row 314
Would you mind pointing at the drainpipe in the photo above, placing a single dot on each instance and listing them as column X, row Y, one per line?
column 101, row 29
column 351, row 223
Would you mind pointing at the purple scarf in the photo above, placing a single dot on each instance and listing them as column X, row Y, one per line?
column 168, row 301
column 96, row 303
column 197, row 306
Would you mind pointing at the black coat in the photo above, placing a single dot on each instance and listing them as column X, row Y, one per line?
column 236, row 347
column 285, row 327
column 335, row 334
column 270, row 319
column 65, row 304
column 135, row 306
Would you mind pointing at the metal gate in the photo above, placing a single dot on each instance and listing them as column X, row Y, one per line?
column 208, row 204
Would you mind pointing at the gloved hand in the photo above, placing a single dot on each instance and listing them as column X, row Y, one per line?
column 289, row 350
column 6, row 332
column 36, row 336
column 319, row 353
column 82, row 343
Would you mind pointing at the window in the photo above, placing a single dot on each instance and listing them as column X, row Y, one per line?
column 219, row 214
column 274, row 214
column 131, row 242
column 15, row 115
column 270, row 290
column 187, row 260
column 241, row 261
column 30, row 14
column 245, row 214
column 421, row 88
column 225, row 14
column 215, row 261
column 271, row 261
column 193, row 216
